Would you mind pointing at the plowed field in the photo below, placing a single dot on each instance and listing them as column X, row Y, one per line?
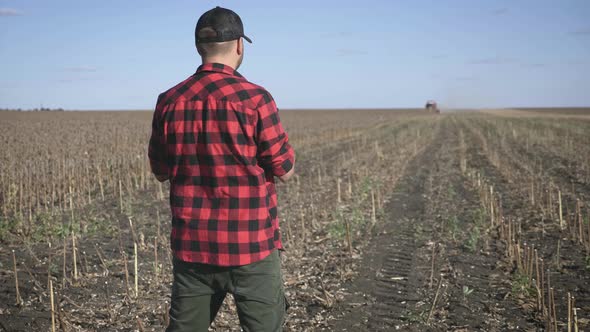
column 396, row 220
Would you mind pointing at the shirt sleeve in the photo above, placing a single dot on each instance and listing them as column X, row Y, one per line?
column 157, row 145
column 275, row 154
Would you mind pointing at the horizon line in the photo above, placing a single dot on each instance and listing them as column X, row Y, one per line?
column 303, row 109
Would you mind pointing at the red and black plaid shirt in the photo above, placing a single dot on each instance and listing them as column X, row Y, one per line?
column 219, row 140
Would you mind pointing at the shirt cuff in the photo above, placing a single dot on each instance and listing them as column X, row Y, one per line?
column 286, row 165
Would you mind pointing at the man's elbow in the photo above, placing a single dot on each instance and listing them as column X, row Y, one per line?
column 160, row 170
column 162, row 177
column 288, row 175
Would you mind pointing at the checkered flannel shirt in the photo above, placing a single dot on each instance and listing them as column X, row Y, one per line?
column 219, row 140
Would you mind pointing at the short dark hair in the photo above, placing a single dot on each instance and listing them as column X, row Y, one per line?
column 212, row 49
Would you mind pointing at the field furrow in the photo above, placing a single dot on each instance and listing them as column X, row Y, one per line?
column 395, row 220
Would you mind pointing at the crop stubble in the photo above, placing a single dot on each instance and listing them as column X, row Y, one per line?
column 394, row 193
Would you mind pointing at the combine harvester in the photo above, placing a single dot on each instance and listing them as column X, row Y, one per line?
column 431, row 107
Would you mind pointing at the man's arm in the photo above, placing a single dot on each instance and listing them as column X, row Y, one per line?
column 275, row 154
column 288, row 175
column 161, row 178
column 157, row 148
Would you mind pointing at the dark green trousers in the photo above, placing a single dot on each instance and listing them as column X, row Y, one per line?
column 198, row 291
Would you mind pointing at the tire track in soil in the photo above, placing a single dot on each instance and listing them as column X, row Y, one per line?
column 390, row 277
column 392, row 291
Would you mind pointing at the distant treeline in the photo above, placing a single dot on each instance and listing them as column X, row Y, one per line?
column 558, row 110
column 42, row 109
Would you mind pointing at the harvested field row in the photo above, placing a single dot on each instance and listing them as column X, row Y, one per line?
column 395, row 220
column 537, row 224
column 324, row 230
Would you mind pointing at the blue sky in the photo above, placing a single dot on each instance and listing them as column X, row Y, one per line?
column 309, row 54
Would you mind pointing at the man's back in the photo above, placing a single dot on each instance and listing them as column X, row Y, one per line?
column 219, row 139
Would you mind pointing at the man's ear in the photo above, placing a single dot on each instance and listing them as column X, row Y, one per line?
column 240, row 46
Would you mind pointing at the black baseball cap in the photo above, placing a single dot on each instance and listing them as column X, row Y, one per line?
column 224, row 22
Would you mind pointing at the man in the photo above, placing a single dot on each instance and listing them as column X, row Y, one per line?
column 218, row 139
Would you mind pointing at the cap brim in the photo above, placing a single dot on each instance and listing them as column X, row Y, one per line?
column 248, row 39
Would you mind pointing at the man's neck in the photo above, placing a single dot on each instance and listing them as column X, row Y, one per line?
column 219, row 60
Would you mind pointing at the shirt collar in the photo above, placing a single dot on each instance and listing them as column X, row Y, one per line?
column 218, row 68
